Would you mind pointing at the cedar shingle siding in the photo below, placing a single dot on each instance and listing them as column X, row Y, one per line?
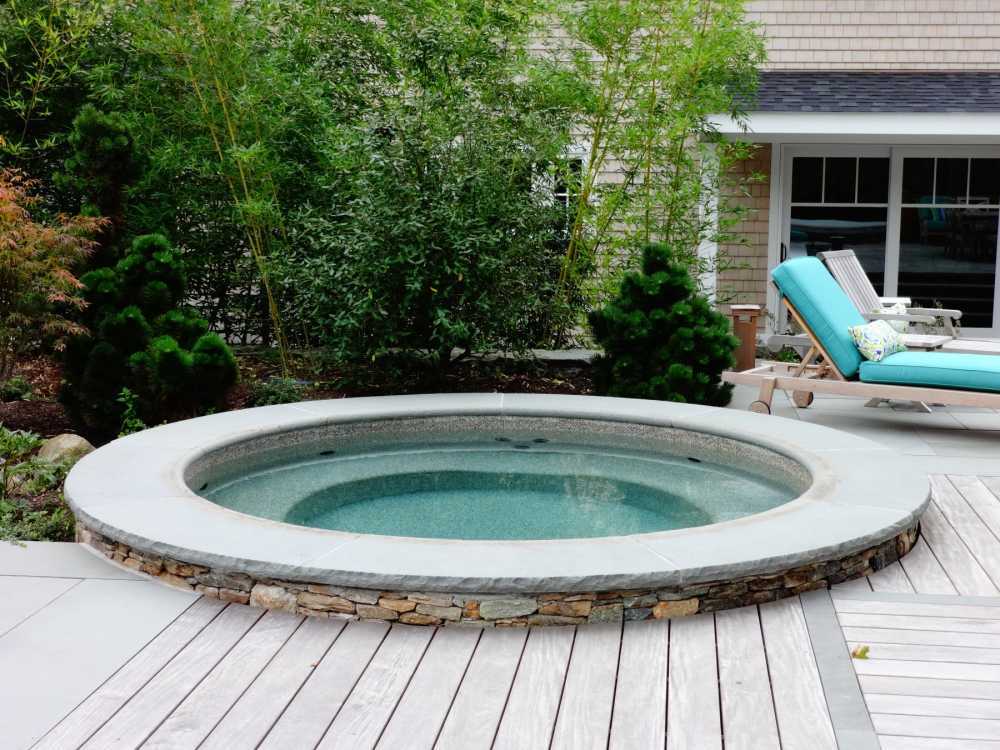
column 880, row 34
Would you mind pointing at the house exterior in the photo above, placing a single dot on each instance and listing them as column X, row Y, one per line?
column 878, row 124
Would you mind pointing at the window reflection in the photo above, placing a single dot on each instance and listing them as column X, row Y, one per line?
column 948, row 256
column 815, row 229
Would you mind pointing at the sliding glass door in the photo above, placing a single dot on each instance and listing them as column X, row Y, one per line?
column 922, row 220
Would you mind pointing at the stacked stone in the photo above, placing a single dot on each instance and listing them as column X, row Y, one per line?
column 515, row 610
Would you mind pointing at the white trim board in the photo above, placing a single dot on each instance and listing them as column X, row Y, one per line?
column 898, row 128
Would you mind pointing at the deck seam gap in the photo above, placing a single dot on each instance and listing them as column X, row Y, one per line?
column 302, row 684
column 972, row 507
column 510, row 689
column 934, row 554
column 965, row 544
column 770, row 681
column 614, row 688
column 406, row 687
column 562, row 688
column 251, row 683
column 203, row 678
column 458, row 688
column 353, row 687
column 38, row 609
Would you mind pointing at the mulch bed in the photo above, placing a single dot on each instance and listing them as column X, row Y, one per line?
column 45, row 416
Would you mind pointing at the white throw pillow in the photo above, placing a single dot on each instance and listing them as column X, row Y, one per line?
column 876, row 340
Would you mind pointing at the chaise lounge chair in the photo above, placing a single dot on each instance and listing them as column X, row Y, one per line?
column 846, row 269
column 818, row 304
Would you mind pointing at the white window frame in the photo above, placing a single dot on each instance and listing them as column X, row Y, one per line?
column 780, row 210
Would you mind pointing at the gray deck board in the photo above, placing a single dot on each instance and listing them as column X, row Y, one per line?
column 589, row 693
column 422, row 710
column 925, row 572
column 309, row 714
column 54, row 659
column 190, row 723
column 693, row 714
column 159, row 697
column 639, row 717
column 530, row 715
column 480, row 700
column 800, row 706
column 360, row 721
column 247, row 723
column 748, row 718
column 58, row 560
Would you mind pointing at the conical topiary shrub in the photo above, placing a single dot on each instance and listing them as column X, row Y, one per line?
column 142, row 337
column 662, row 339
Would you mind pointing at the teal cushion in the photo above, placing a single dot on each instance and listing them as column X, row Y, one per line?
column 824, row 307
column 966, row 372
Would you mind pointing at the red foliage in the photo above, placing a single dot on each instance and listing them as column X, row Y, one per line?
column 39, row 291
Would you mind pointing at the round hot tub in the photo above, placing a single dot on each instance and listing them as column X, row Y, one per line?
column 496, row 509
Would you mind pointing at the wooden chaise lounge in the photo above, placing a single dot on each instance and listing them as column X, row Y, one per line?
column 833, row 364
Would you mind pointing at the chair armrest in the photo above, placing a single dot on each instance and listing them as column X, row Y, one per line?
column 936, row 312
column 895, row 300
column 892, row 316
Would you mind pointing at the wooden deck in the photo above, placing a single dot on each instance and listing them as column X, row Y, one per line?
column 217, row 676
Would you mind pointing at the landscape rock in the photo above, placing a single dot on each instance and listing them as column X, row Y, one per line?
column 65, row 447
column 502, row 609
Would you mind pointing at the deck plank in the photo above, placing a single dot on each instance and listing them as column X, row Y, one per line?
column 252, row 717
column 906, row 622
column 53, row 660
column 938, row 688
column 962, row 567
column 363, row 717
column 693, row 718
column 891, row 578
column 922, row 652
column 937, row 726
column 530, row 715
column 747, row 706
column 981, row 498
column 968, row 708
column 924, row 570
column 927, row 638
column 192, row 721
column 639, row 719
column 306, row 719
column 138, row 718
column 584, row 719
column 422, row 710
column 890, row 742
column 938, row 670
column 857, row 585
column 799, row 702
column 917, row 609
column 103, row 703
column 475, row 714
column 980, row 540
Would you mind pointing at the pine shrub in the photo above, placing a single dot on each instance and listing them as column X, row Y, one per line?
column 142, row 338
column 661, row 338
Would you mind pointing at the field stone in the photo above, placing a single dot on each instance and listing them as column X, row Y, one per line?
column 679, row 608
column 65, row 447
column 323, row 602
column 272, row 597
column 397, row 605
column 371, row 612
column 606, row 613
column 503, row 609
column 361, row 596
column 237, row 581
column 443, row 613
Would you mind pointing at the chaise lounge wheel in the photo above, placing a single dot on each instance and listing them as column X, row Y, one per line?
column 802, row 399
column 760, row 407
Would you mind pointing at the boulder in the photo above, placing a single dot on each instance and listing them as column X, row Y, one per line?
column 65, row 447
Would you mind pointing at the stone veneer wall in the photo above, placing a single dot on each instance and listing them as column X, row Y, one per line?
column 504, row 610
column 747, row 284
column 879, row 34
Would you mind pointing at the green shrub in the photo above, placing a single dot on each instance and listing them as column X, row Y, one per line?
column 15, row 389
column 143, row 340
column 661, row 338
column 277, row 391
column 17, row 444
column 20, row 522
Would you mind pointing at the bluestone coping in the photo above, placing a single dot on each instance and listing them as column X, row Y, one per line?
column 133, row 490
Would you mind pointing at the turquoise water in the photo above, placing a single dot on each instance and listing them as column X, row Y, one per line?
column 482, row 487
